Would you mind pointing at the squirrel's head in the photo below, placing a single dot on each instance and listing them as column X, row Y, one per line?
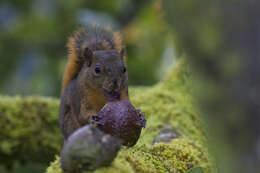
column 104, row 70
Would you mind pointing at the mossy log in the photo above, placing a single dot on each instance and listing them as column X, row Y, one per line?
column 32, row 130
column 29, row 130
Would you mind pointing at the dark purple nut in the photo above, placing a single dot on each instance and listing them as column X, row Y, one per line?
column 121, row 119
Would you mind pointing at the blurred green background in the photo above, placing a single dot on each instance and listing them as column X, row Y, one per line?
column 34, row 34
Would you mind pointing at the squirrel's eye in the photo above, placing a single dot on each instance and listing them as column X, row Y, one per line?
column 124, row 70
column 97, row 69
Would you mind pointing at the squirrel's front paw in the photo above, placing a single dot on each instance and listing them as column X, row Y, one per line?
column 95, row 119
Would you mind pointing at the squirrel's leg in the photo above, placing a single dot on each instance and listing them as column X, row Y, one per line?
column 69, row 108
column 86, row 113
column 68, row 122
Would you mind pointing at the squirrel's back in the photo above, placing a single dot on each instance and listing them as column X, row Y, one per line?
column 94, row 38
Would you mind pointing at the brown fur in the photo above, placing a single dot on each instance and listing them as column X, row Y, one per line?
column 72, row 67
column 83, row 92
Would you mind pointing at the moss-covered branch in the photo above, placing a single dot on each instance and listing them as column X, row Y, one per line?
column 29, row 130
column 167, row 103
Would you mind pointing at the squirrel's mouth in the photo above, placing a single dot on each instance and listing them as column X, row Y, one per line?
column 112, row 95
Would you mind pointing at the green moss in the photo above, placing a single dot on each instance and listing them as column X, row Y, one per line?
column 177, row 156
column 55, row 166
column 29, row 130
column 168, row 102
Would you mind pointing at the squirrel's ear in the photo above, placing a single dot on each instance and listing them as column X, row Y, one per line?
column 122, row 52
column 88, row 55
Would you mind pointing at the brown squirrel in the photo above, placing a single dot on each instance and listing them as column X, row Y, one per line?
column 95, row 74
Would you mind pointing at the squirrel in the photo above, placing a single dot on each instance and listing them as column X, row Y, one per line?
column 95, row 73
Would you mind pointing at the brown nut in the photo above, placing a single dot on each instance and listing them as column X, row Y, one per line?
column 120, row 119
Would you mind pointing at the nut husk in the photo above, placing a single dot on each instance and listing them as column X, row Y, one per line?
column 121, row 119
column 88, row 148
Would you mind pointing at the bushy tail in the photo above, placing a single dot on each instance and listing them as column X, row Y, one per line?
column 94, row 38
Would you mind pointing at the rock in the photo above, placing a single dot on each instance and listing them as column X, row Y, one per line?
column 88, row 148
column 166, row 135
column 121, row 119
